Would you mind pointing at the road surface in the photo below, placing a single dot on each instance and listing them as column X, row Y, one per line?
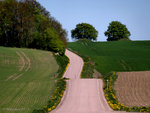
column 82, row 95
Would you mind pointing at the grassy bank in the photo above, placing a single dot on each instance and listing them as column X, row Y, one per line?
column 115, row 56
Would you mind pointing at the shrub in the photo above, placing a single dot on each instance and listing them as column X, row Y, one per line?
column 63, row 62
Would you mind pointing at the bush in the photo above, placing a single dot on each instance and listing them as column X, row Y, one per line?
column 63, row 62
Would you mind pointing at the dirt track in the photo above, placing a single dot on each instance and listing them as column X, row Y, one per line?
column 82, row 95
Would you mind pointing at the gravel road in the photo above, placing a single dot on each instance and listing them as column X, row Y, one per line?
column 82, row 95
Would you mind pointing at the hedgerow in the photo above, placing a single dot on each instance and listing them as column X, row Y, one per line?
column 89, row 65
column 63, row 62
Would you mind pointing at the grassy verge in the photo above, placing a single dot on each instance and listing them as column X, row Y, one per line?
column 89, row 66
column 111, row 97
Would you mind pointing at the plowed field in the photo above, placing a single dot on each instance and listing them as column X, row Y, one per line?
column 133, row 88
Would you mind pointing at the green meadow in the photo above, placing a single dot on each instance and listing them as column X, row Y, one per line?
column 26, row 79
column 115, row 56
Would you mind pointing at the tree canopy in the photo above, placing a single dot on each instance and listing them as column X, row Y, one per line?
column 84, row 31
column 117, row 31
column 25, row 23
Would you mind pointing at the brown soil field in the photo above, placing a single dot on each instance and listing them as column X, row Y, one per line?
column 133, row 88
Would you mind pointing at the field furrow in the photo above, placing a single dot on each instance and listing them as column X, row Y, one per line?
column 132, row 88
column 21, row 61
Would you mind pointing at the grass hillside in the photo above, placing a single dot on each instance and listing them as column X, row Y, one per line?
column 115, row 56
column 26, row 79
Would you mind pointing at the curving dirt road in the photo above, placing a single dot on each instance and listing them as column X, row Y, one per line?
column 82, row 95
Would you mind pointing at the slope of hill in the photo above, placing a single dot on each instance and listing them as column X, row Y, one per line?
column 26, row 79
column 116, row 56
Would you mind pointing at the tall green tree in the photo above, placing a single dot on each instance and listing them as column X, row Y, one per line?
column 17, row 23
column 25, row 23
column 62, row 32
column 117, row 31
column 84, row 31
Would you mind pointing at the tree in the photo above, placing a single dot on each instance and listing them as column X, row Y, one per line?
column 84, row 31
column 25, row 23
column 62, row 32
column 117, row 31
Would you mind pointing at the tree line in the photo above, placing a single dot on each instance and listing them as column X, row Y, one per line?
column 25, row 23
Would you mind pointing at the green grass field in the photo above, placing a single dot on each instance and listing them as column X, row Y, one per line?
column 26, row 79
column 116, row 56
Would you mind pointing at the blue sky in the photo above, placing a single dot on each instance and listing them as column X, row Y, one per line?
column 135, row 14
